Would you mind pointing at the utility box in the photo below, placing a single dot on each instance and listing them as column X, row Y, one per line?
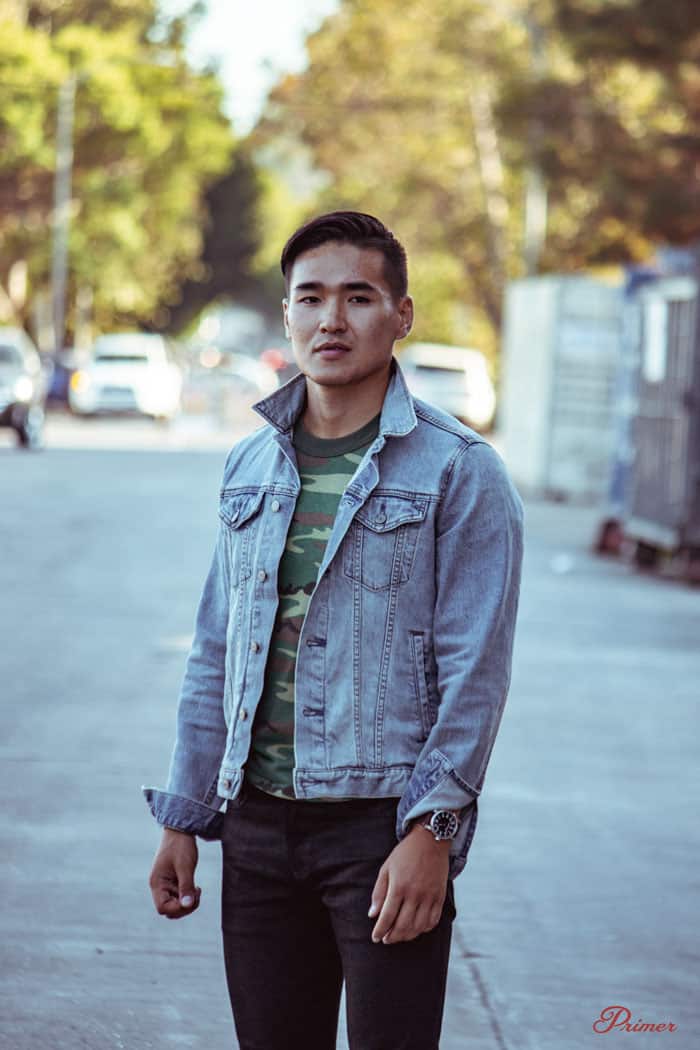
column 560, row 354
column 663, row 505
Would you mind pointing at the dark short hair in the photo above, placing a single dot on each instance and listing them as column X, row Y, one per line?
column 350, row 227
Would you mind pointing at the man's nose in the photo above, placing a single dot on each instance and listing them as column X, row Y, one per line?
column 333, row 317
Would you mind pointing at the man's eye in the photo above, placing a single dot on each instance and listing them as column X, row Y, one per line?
column 360, row 299
column 309, row 299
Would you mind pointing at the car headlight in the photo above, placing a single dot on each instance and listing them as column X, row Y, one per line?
column 79, row 381
column 23, row 388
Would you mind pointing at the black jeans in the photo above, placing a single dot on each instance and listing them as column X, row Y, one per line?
column 297, row 885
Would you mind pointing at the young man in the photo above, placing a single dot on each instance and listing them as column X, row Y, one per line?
column 348, row 673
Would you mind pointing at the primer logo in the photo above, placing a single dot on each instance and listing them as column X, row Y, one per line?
column 619, row 1019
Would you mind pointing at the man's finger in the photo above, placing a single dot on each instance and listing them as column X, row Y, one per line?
column 387, row 916
column 420, row 923
column 166, row 901
column 184, row 874
column 173, row 909
column 185, row 904
column 379, row 893
column 163, row 889
column 404, row 925
column 436, row 914
column 171, row 903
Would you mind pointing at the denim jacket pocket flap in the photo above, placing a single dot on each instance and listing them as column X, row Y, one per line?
column 383, row 513
column 236, row 508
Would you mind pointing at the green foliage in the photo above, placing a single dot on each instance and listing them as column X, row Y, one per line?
column 385, row 108
column 438, row 117
column 635, row 113
column 150, row 138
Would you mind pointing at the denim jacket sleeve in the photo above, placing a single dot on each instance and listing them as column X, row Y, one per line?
column 479, row 547
column 190, row 802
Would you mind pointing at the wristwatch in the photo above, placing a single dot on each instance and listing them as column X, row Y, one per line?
column 443, row 823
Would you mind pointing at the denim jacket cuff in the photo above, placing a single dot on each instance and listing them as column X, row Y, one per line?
column 184, row 814
column 435, row 785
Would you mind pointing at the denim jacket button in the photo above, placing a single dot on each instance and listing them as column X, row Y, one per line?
column 275, row 505
column 226, row 784
column 243, row 714
column 262, row 575
column 255, row 647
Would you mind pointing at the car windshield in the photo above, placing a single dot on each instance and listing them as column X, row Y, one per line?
column 10, row 355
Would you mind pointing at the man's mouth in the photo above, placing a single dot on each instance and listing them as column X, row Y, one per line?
column 332, row 348
column 331, row 351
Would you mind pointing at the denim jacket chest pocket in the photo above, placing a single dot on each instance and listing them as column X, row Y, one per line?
column 380, row 548
column 239, row 511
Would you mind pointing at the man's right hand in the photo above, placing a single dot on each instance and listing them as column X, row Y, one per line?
column 172, row 876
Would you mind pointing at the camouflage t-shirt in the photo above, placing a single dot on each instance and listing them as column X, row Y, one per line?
column 325, row 468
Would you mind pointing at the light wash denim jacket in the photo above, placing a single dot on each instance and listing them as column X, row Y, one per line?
column 405, row 651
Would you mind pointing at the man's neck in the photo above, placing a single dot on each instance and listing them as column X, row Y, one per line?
column 334, row 411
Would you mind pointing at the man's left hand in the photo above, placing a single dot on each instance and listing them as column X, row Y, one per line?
column 410, row 889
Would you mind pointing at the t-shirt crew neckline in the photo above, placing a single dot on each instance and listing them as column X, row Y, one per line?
column 307, row 442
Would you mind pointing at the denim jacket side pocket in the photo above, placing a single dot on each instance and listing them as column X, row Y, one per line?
column 426, row 711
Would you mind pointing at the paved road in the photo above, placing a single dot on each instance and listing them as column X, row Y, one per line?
column 581, row 890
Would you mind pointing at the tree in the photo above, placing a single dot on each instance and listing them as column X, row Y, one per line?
column 231, row 239
column 398, row 109
column 150, row 139
column 441, row 118
column 639, row 60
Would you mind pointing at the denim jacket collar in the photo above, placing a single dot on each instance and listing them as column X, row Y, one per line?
column 282, row 408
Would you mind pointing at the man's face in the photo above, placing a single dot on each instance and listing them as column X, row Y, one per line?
column 341, row 315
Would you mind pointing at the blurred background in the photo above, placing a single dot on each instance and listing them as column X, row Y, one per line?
column 540, row 160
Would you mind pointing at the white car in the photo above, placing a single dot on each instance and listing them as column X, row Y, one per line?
column 23, row 385
column 127, row 372
column 454, row 378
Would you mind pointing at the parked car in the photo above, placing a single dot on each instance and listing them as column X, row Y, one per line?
column 454, row 378
column 127, row 372
column 22, row 387
column 282, row 360
column 253, row 379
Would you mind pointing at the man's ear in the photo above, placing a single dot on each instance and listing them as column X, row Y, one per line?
column 406, row 316
column 285, row 306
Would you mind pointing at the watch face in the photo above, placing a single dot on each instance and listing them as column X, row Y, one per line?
column 444, row 824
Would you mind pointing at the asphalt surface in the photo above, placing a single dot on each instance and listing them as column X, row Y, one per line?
column 582, row 886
